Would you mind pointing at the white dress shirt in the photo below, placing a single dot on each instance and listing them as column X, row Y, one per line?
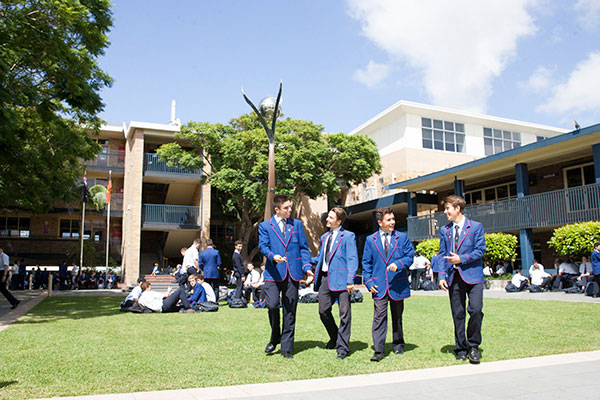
column 191, row 255
column 334, row 233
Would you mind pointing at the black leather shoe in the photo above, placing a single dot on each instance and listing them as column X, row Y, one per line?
column 330, row 345
column 270, row 348
column 341, row 356
column 377, row 357
column 474, row 355
column 287, row 355
column 461, row 356
column 399, row 350
column 15, row 305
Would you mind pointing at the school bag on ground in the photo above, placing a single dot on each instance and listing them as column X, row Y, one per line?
column 592, row 289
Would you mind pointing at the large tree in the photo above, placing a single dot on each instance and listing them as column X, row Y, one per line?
column 49, row 96
column 307, row 162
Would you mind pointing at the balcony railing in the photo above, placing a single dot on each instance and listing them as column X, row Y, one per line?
column 558, row 207
column 153, row 165
column 111, row 159
column 163, row 214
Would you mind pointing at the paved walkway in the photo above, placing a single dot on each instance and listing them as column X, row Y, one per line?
column 565, row 376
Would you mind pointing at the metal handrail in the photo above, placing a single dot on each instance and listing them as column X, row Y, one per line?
column 558, row 207
column 113, row 159
column 153, row 164
column 172, row 215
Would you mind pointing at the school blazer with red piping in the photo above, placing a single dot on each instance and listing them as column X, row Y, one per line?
column 342, row 263
column 294, row 248
column 471, row 247
column 375, row 263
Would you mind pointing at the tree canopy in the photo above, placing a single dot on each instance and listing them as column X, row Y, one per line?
column 307, row 162
column 49, row 96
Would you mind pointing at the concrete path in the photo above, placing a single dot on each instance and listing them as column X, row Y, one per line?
column 28, row 299
column 565, row 376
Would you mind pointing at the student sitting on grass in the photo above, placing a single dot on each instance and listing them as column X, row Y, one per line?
column 199, row 294
column 158, row 302
column 133, row 296
column 519, row 281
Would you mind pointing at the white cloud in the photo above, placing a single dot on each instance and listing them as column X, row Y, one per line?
column 539, row 81
column 373, row 74
column 458, row 46
column 588, row 13
column 581, row 93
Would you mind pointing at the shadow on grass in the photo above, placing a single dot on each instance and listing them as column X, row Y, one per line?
column 71, row 308
column 7, row 383
column 449, row 349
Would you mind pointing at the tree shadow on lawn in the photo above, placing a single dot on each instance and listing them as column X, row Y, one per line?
column 70, row 308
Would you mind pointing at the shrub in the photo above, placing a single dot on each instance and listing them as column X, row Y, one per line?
column 500, row 247
column 575, row 240
column 428, row 247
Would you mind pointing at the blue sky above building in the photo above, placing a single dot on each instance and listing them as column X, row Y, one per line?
column 342, row 62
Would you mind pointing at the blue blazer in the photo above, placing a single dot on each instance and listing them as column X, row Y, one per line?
column 342, row 263
column 471, row 247
column 595, row 262
column 208, row 261
column 374, row 265
column 294, row 249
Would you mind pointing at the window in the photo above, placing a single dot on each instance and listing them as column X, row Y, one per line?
column 579, row 175
column 222, row 232
column 15, row 226
column 69, row 228
column 497, row 140
column 443, row 135
column 540, row 138
column 491, row 193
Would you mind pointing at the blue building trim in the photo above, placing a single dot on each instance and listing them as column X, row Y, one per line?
column 391, row 200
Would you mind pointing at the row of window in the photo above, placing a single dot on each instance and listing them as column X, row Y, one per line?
column 450, row 136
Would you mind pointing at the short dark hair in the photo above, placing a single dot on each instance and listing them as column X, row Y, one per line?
column 381, row 212
column 596, row 244
column 238, row 242
column 200, row 275
column 279, row 200
column 209, row 242
column 455, row 201
column 141, row 279
column 340, row 213
column 145, row 286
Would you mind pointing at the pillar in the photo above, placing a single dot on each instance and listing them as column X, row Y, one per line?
column 596, row 152
column 525, row 238
column 459, row 187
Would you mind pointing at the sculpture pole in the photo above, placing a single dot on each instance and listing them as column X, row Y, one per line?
column 268, row 108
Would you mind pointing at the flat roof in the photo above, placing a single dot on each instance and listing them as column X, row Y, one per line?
column 570, row 145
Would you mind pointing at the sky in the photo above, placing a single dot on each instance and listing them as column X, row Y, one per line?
column 344, row 61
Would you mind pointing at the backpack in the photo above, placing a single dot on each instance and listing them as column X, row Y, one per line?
column 427, row 285
column 572, row 289
column 207, row 306
column 535, row 289
column 308, row 298
column 356, row 297
column 592, row 289
column 139, row 309
column 238, row 303
column 510, row 288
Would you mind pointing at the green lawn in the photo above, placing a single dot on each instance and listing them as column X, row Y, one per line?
column 84, row 345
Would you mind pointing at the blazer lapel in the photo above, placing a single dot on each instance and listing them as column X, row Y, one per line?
column 277, row 229
column 463, row 233
column 336, row 244
column 379, row 246
column 288, row 230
